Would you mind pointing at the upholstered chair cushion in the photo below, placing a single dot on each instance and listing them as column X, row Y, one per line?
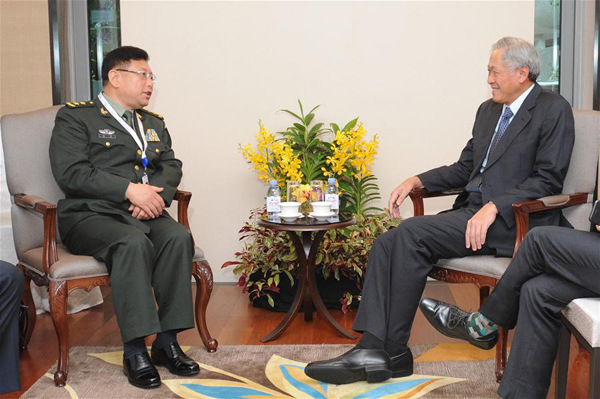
column 584, row 315
column 484, row 265
column 198, row 255
column 68, row 267
column 71, row 266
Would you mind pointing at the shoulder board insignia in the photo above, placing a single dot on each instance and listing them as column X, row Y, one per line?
column 80, row 104
column 151, row 113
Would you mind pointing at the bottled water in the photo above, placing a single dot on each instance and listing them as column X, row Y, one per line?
column 273, row 200
column 332, row 195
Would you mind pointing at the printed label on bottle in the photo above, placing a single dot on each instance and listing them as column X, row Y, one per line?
column 334, row 199
column 273, row 204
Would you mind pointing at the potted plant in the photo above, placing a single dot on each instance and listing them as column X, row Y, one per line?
column 304, row 152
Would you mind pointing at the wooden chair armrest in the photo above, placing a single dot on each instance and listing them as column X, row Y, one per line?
column 523, row 209
column 183, row 202
column 48, row 212
column 417, row 195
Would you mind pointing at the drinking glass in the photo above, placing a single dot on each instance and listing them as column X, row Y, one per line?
column 293, row 191
column 316, row 190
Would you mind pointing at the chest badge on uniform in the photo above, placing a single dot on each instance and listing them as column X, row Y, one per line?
column 151, row 135
column 107, row 134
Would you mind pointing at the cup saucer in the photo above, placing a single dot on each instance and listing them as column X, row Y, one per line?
column 321, row 217
column 289, row 218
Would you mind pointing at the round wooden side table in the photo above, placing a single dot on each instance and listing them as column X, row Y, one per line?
column 307, row 248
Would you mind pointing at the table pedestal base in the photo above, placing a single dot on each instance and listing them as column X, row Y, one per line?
column 307, row 291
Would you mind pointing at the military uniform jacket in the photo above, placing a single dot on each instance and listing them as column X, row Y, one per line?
column 93, row 159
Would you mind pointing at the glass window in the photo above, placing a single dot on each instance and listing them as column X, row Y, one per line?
column 547, row 42
column 105, row 35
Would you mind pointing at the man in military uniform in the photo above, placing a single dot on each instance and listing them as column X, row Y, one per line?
column 113, row 159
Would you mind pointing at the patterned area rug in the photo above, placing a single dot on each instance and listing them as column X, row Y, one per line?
column 275, row 371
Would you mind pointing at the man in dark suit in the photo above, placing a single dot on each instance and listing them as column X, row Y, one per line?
column 11, row 289
column 114, row 161
column 553, row 266
column 520, row 150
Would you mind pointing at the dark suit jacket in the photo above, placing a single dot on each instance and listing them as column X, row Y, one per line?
column 94, row 159
column 529, row 162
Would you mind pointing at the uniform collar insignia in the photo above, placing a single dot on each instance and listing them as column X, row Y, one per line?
column 103, row 111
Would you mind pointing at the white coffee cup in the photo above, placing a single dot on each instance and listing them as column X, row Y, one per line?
column 321, row 207
column 289, row 208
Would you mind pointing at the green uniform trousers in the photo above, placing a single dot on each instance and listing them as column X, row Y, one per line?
column 138, row 264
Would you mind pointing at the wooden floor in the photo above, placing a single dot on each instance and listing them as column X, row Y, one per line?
column 232, row 320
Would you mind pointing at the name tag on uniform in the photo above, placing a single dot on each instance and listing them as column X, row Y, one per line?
column 151, row 135
column 107, row 134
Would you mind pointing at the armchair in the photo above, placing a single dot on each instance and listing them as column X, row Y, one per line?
column 42, row 257
column 485, row 271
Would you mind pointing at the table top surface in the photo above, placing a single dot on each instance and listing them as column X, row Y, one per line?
column 307, row 223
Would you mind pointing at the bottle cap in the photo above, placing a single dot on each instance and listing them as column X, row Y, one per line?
column 272, row 183
column 331, row 180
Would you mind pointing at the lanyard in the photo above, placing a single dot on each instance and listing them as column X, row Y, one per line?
column 143, row 145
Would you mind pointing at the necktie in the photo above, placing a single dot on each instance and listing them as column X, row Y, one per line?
column 473, row 185
column 130, row 119
column 501, row 129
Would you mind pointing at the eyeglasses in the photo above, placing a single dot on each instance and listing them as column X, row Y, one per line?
column 145, row 75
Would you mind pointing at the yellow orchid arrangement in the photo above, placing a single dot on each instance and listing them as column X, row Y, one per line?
column 304, row 152
column 301, row 153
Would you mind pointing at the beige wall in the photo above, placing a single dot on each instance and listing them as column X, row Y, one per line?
column 25, row 83
column 25, row 74
column 414, row 72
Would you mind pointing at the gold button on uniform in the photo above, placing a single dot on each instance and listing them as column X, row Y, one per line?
column 136, row 167
column 157, row 150
column 139, row 152
column 107, row 143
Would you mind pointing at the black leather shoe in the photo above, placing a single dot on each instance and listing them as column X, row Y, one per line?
column 175, row 360
column 371, row 365
column 452, row 322
column 140, row 371
column 402, row 364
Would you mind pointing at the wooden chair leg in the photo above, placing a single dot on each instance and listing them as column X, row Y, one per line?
column 484, row 292
column 501, row 353
column 501, row 345
column 594, row 374
column 57, row 295
column 204, row 283
column 562, row 364
column 29, row 309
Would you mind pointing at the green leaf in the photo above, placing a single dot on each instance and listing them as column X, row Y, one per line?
column 313, row 110
column 287, row 111
column 335, row 127
column 315, row 129
column 301, row 128
column 289, row 275
column 350, row 125
column 277, row 279
column 308, row 119
column 301, row 108
column 270, row 300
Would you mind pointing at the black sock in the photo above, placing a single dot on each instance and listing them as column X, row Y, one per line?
column 133, row 347
column 395, row 348
column 369, row 341
column 163, row 339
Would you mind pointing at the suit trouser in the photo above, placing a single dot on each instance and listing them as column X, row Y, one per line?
column 399, row 262
column 553, row 266
column 11, row 290
column 142, row 268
